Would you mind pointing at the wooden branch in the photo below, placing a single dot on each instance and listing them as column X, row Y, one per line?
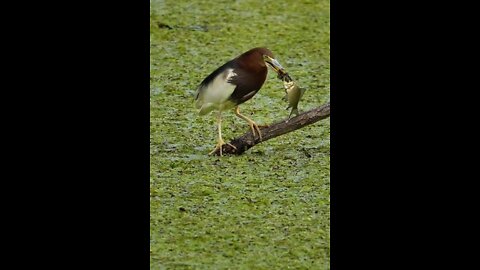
column 246, row 141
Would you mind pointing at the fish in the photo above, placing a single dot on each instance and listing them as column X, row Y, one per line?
column 284, row 76
column 293, row 95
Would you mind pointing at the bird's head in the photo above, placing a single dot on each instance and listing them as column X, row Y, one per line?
column 270, row 60
column 262, row 57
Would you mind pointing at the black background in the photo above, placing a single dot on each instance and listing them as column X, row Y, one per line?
column 77, row 134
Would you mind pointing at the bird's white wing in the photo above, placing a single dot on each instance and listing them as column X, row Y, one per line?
column 215, row 95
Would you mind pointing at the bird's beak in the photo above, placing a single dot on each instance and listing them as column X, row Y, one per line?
column 275, row 65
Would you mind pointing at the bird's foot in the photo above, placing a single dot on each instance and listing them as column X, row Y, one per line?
column 219, row 145
column 254, row 128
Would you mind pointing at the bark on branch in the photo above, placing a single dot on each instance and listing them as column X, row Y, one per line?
column 246, row 141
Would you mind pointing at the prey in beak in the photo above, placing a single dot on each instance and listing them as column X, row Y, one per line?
column 275, row 65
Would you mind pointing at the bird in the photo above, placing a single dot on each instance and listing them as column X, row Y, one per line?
column 232, row 84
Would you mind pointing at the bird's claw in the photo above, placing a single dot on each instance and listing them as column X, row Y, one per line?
column 219, row 146
column 254, row 128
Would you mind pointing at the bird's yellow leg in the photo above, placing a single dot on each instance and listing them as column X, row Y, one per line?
column 220, row 142
column 252, row 124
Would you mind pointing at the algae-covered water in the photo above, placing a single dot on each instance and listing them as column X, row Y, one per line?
column 270, row 207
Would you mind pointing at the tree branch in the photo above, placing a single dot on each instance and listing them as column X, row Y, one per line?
column 246, row 141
